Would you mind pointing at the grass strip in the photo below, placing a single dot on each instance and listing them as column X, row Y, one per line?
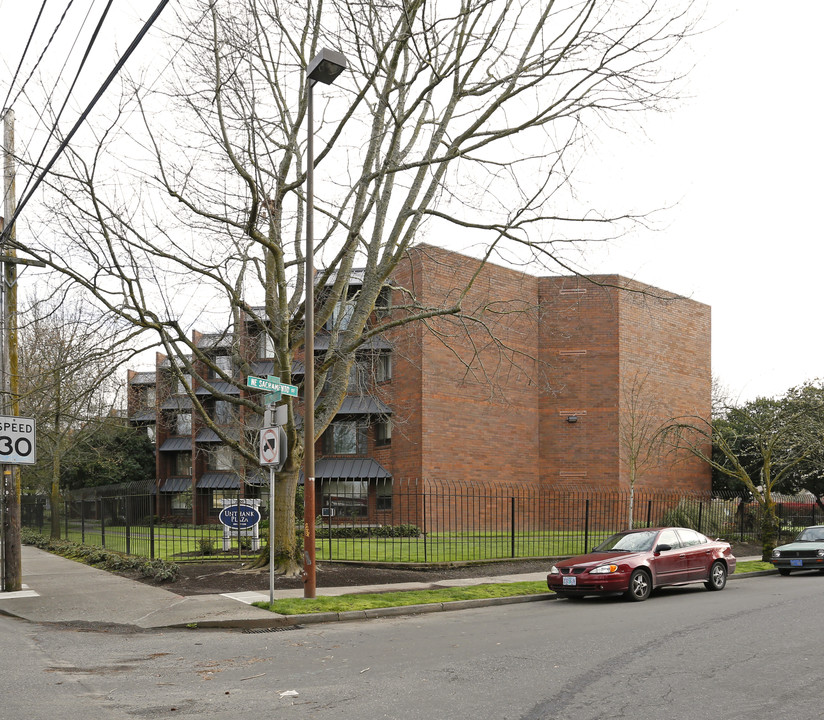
column 752, row 566
column 371, row 601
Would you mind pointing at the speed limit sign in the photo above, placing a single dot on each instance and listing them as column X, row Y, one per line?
column 18, row 441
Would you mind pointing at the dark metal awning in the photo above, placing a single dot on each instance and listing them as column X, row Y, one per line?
column 349, row 469
column 143, row 378
column 219, row 481
column 176, row 485
column 177, row 402
column 144, row 416
column 363, row 405
column 220, row 387
column 207, row 436
column 176, row 444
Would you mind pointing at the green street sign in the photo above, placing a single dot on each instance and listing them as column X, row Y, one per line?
column 271, row 384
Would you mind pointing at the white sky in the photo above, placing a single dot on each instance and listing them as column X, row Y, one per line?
column 741, row 159
column 736, row 162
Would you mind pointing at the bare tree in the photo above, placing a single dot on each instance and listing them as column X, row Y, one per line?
column 69, row 362
column 457, row 117
column 639, row 432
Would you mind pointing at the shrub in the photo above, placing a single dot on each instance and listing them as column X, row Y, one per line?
column 366, row 531
column 206, row 546
column 159, row 570
column 686, row 514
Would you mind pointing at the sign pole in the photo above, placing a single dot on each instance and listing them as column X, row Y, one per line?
column 271, row 535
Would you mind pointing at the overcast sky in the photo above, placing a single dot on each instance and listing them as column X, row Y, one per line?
column 736, row 163
column 741, row 159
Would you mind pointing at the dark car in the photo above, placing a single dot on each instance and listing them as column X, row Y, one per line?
column 806, row 552
column 637, row 561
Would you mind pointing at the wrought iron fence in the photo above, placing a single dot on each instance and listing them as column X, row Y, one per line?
column 418, row 521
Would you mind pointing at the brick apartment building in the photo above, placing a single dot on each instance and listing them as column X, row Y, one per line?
column 532, row 384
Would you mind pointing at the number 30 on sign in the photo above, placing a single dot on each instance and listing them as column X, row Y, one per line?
column 18, row 441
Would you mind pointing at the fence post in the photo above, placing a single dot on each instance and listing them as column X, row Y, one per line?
column 82, row 518
column 586, row 525
column 741, row 521
column 102, row 521
column 512, row 526
column 151, row 529
column 649, row 513
column 700, row 514
column 66, row 518
column 423, row 497
column 128, row 526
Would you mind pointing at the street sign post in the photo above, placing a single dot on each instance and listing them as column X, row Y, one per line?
column 272, row 449
column 271, row 384
column 18, row 441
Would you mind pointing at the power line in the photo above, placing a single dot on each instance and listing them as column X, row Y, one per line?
column 64, row 144
column 25, row 52
column 68, row 94
column 48, row 44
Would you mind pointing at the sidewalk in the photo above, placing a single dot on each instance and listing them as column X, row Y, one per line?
column 61, row 590
column 58, row 590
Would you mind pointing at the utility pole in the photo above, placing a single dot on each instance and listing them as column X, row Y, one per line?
column 12, row 564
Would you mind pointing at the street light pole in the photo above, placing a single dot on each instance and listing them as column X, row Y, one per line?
column 324, row 67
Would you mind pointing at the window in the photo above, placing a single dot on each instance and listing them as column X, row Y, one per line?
column 222, row 498
column 383, row 367
column 183, row 423
column 357, row 378
column 220, row 458
column 383, row 432
column 151, row 431
column 690, row 537
column 342, row 315
column 669, row 537
column 146, row 398
column 183, row 384
column 345, row 438
column 223, row 412
column 383, row 305
column 183, row 463
column 383, row 495
column 224, row 364
column 181, row 503
column 345, row 498
column 265, row 346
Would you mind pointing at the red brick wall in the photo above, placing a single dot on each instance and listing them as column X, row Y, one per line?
column 598, row 339
column 477, row 389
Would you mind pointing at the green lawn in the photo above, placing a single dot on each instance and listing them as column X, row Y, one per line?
column 371, row 601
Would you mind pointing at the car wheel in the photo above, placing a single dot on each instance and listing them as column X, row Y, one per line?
column 640, row 586
column 783, row 571
column 718, row 576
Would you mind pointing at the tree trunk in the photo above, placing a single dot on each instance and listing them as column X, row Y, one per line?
column 54, row 497
column 287, row 548
column 769, row 529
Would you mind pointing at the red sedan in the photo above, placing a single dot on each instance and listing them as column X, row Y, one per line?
column 637, row 561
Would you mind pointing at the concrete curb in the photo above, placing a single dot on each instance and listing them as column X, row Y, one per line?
column 282, row 621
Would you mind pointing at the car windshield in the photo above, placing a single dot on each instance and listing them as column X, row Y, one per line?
column 815, row 534
column 628, row 542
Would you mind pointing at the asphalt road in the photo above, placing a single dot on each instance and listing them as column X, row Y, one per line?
column 753, row 651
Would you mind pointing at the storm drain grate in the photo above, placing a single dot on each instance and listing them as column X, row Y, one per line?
column 250, row 631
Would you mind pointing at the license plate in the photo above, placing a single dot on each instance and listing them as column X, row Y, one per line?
column 794, row 562
column 570, row 580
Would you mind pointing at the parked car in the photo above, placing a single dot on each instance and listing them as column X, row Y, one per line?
column 637, row 561
column 806, row 552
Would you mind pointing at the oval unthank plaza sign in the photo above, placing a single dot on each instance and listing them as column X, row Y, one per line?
column 239, row 517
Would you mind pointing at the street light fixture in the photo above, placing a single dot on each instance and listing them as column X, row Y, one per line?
column 325, row 68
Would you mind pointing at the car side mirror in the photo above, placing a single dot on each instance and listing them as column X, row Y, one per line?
column 663, row 547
